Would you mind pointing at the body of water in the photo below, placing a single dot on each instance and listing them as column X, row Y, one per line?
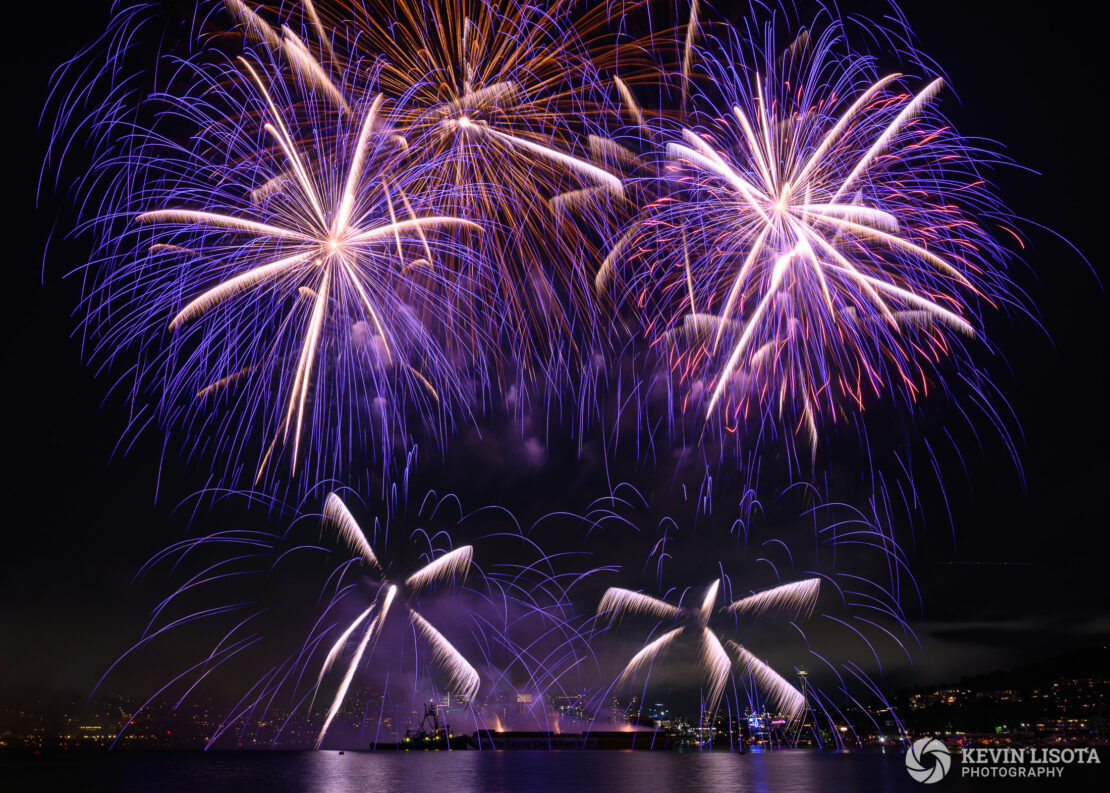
column 494, row 772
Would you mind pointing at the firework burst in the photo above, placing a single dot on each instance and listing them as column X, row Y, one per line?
column 369, row 228
column 817, row 244
column 445, row 569
column 499, row 93
column 285, row 278
column 796, row 598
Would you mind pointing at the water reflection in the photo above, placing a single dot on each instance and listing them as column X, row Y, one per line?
column 475, row 772
column 619, row 772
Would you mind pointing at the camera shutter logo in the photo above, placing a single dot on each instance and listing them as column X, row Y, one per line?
column 928, row 760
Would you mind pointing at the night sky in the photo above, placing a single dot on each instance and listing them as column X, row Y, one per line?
column 1018, row 573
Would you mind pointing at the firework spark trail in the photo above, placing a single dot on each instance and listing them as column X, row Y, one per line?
column 349, row 530
column 290, row 46
column 717, row 666
column 463, row 675
column 372, row 630
column 446, row 567
column 786, row 697
column 341, row 642
column 707, row 603
column 797, row 598
column 616, row 602
column 647, row 655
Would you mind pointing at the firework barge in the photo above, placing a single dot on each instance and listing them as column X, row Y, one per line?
column 442, row 739
column 622, row 740
column 423, row 739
